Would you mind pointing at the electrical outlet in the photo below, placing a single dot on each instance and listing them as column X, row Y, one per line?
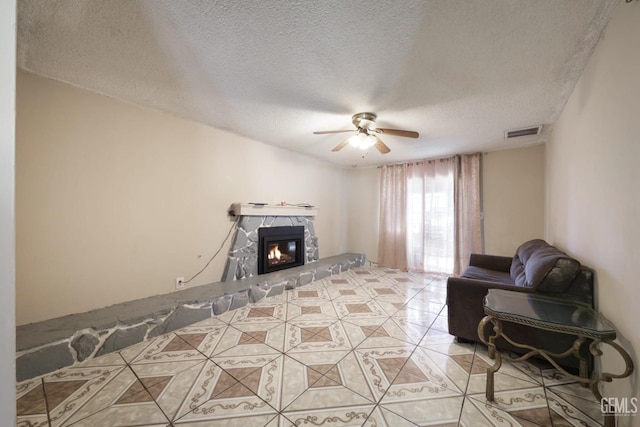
column 179, row 282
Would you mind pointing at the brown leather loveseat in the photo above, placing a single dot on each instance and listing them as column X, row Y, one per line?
column 535, row 267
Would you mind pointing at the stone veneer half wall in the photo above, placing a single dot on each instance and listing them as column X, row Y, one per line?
column 45, row 346
column 242, row 261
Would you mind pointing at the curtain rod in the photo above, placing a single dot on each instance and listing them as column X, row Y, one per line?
column 415, row 162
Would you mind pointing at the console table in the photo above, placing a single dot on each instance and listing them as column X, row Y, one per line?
column 551, row 314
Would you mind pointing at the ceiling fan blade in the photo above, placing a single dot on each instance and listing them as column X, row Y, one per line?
column 341, row 145
column 398, row 132
column 322, row 132
column 381, row 146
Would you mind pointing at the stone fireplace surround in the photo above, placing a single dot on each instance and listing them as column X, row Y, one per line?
column 242, row 261
column 46, row 346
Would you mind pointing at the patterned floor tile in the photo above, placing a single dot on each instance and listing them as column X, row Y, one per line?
column 315, row 378
column 32, row 421
column 315, row 335
column 225, row 317
column 368, row 347
column 214, row 321
column 165, row 348
column 444, row 343
column 349, row 293
column 576, row 390
column 432, row 307
column 280, row 421
column 169, row 382
column 381, row 417
column 552, row 377
column 327, row 396
column 217, row 395
column 263, row 420
column 308, row 293
column 408, row 331
column 478, row 414
column 358, row 309
column 393, row 305
column 263, row 377
column 442, row 411
column 264, row 311
column 384, row 290
column 340, row 417
column 31, row 407
column 320, row 361
column 419, row 378
column 251, row 339
column 125, row 415
column 401, row 278
column 426, row 295
column 441, row 324
column 369, row 333
column 458, row 372
column 311, row 309
column 110, row 359
column 529, row 404
column 205, row 338
column 522, row 370
column 417, row 317
column 574, row 411
column 381, row 366
column 502, row 381
column 345, row 281
column 84, row 402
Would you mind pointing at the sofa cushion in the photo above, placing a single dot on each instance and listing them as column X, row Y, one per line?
column 543, row 267
column 479, row 273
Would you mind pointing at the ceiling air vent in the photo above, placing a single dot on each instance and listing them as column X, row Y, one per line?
column 522, row 132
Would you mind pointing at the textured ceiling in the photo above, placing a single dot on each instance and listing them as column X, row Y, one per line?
column 458, row 72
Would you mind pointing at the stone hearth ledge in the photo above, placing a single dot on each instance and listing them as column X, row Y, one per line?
column 49, row 345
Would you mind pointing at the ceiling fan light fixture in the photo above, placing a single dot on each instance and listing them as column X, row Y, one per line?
column 362, row 140
column 365, row 136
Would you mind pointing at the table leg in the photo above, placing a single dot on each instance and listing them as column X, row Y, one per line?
column 609, row 416
column 492, row 351
column 490, row 372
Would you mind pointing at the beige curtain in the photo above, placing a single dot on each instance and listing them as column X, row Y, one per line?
column 430, row 212
column 392, row 246
column 468, row 231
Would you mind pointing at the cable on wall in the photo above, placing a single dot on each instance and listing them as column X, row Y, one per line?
column 233, row 226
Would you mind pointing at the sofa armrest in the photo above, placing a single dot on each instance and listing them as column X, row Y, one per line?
column 491, row 262
column 465, row 304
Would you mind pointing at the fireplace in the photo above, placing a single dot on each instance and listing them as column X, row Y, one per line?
column 280, row 248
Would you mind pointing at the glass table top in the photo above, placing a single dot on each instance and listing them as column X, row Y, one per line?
column 543, row 309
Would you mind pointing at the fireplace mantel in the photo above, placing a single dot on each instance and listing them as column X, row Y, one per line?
column 257, row 209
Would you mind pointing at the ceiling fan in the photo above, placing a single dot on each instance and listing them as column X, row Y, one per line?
column 365, row 133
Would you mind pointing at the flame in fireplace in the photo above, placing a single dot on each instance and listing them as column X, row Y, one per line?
column 275, row 253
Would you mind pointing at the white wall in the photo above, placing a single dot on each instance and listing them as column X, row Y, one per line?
column 7, row 214
column 115, row 201
column 592, row 183
column 364, row 211
column 513, row 198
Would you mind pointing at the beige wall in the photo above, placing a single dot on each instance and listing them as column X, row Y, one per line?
column 364, row 211
column 592, row 183
column 513, row 198
column 115, row 201
column 7, row 214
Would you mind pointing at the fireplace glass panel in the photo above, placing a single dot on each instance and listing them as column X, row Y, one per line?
column 280, row 248
column 281, row 252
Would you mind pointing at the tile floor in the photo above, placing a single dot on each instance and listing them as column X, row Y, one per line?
column 368, row 347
